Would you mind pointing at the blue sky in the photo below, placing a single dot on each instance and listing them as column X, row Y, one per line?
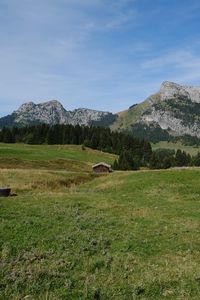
column 100, row 54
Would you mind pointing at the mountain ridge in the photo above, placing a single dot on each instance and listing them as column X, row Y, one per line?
column 53, row 112
column 173, row 111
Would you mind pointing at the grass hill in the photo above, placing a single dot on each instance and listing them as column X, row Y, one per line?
column 71, row 234
column 66, row 157
column 127, row 235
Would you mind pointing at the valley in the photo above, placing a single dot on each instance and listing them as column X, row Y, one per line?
column 100, row 150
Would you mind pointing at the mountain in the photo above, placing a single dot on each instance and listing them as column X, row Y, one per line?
column 52, row 112
column 173, row 111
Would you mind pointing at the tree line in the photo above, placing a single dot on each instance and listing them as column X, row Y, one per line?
column 133, row 152
column 167, row 158
column 159, row 159
column 99, row 138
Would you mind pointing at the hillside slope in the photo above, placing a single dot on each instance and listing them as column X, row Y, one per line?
column 59, row 157
column 127, row 235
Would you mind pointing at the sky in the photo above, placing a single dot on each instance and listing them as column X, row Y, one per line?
column 98, row 54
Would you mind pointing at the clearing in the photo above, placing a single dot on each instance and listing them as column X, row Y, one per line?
column 192, row 150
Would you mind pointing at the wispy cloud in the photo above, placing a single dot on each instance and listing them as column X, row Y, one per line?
column 176, row 58
column 184, row 65
column 120, row 20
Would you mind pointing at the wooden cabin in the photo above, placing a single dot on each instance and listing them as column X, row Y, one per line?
column 102, row 168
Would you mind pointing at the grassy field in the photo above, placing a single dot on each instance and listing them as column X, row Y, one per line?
column 65, row 157
column 70, row 234
column 127, row 235
column 188, row 149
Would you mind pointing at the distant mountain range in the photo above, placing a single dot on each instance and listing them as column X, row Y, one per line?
column 52, row 112
column 173, row 111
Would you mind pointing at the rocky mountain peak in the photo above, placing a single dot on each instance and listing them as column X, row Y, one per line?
column 174, row 110
column 53, row 112
column 171, row 90
column 52, row 103
column 25, row 106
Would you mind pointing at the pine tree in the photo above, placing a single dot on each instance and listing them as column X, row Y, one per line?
column 51, row 136
column 167, row 163
column 115, row 165
column 196, row 160
column 7, row 136
column 154, row 161
column 180, row 158
column 147, row 152
column 94, row 141
column 126, row 161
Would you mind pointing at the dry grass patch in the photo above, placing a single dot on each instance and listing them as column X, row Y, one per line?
column 57, row 164
column 41, row 180
column 189, row 224
column 179, row 265
column 113, row 181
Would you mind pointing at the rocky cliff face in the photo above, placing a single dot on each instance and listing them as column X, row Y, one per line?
column 52, row 112
column 177, row 110
column 171, row 90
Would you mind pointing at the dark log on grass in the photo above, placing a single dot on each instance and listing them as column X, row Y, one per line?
column 5, row 192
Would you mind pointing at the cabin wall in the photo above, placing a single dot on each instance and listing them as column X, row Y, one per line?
column 101, row 169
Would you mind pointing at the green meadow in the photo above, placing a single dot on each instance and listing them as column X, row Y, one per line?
column 76, row 235
column 192, row 150
column 59, row 157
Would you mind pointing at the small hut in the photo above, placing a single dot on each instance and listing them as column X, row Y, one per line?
column 102, row 168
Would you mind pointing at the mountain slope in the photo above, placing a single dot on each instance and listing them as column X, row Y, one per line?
column 52, row 112
column 133, row 115
column 174, row 110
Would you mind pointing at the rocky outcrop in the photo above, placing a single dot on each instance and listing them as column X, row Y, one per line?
column 167, row 121
column 171, row 90
column 50, row 112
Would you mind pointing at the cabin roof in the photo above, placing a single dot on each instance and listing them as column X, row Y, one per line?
column 101, row 164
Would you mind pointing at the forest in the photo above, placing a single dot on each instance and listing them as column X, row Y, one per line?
column 99, row 138
column 133, row 152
